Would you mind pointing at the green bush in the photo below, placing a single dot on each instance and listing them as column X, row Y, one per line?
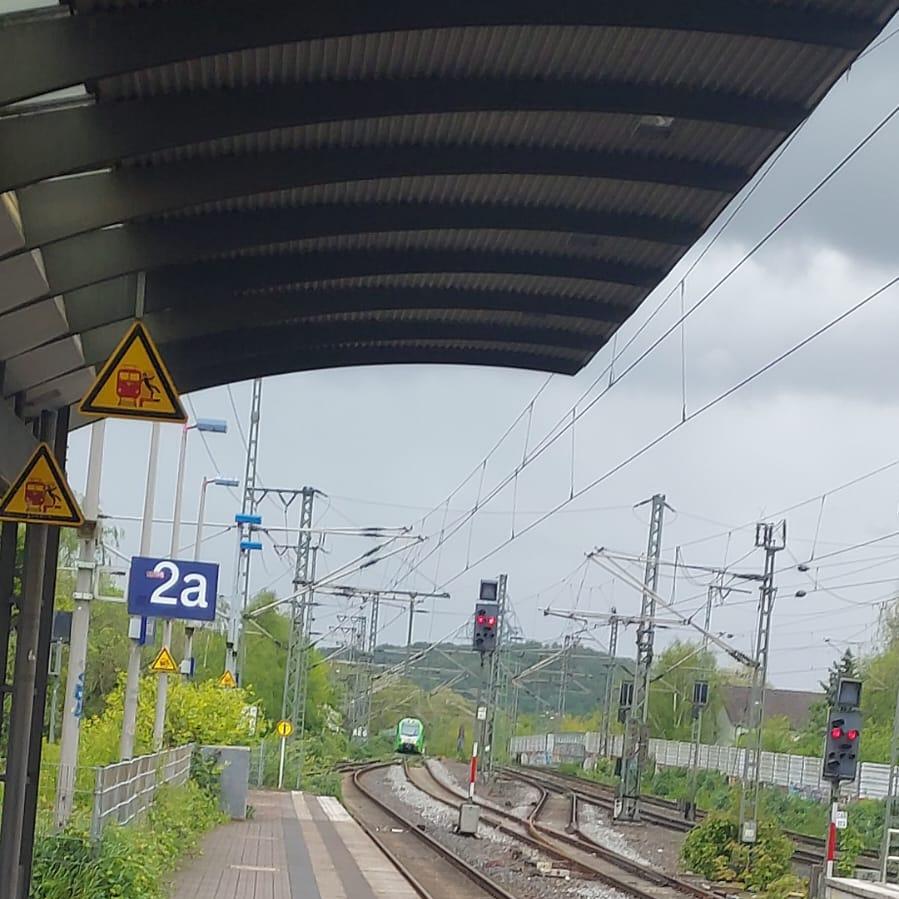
column 850, row 843
column 205, row 772
column 130, row 862
column 786, row 886
column 603, row 772
column 713, row 850
column 792, row 812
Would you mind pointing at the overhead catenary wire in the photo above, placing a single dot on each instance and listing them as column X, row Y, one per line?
column 759, row 244
column 721, row 397
column 610, row 366
column 880, row 469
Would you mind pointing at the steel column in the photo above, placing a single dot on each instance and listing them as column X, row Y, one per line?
column 9, row 532
column 24, row 681
column 45, row 632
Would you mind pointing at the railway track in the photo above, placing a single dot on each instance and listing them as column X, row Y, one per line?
column 580, row 855
column 437, row 870
column 661, row 812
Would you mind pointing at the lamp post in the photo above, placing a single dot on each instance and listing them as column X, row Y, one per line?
column 187, row 663
column 212, row 426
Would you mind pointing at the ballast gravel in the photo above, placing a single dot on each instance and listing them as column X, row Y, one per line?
column 494, row 853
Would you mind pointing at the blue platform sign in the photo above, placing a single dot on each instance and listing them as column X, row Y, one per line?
column 172, row 588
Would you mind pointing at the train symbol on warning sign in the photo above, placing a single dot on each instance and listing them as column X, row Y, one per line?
column 40, row 496
column 135, row 388
column 134, row 383
column 40, row 493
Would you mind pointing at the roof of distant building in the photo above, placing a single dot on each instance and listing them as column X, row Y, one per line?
column 794, row 705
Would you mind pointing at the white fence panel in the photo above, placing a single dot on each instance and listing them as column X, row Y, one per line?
column 124, row 791
column 796, row 772
column 580, row 739
column 530, row 743
column 874, row 779
column 766, row 768
column 780, row 769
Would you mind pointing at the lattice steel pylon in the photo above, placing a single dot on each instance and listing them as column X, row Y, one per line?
column 772, row 538
column 374, row 604
column 240, row 595
column 498, row 671
column 635, row 735
column 564, row 673
column 296, row 675
column 360, row 679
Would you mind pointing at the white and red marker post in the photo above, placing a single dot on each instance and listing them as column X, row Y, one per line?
column 831, row 853
column 473, row 769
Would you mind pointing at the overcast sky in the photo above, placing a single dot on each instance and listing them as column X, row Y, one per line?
column 389, row 444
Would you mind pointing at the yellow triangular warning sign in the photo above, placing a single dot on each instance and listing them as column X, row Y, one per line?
column 134, row 383
column 41, row 494
column 164, row 663
column 227, row 680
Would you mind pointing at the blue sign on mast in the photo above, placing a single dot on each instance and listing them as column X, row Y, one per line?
column 172, row 588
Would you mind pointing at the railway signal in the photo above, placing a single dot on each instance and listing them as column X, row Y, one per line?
column 844, row 730
column 625, row 700
column 842, row 748
column 486, row 618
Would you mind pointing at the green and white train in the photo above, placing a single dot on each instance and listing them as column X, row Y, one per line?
column 410, row 736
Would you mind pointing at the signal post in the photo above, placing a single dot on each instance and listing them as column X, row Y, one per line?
column 842, row 749
column 483, row 641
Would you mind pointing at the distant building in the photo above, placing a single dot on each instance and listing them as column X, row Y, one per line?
column 794, row 705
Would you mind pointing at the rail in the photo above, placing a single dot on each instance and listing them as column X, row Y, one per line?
column 581, row 856
column 477, row 877
column 795, row 772
column 124, row 791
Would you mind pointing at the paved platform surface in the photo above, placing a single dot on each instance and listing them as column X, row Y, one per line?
column 297, row 846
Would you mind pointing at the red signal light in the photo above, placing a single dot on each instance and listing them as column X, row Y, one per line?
column 852, row 735
column 836, row 732
column 491, row 621
column 482, row 619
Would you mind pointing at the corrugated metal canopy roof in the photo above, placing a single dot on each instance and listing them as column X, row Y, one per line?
column 288, row 186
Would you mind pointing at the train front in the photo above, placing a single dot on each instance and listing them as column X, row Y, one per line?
column 409, row 736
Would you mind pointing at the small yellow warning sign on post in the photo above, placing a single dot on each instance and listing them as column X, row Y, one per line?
column 164, row 663
column 227, row 680
column 284, row 729
column 41, row 494
column 134, row 383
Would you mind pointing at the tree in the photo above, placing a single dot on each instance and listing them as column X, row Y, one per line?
column 809, row 740
column 265, row 663
column 777, row 735
column 879, row 672
column 671, row 691
column 845, row 666
column 195, row 713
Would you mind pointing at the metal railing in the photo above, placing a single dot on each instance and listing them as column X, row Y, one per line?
column 123, row 792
